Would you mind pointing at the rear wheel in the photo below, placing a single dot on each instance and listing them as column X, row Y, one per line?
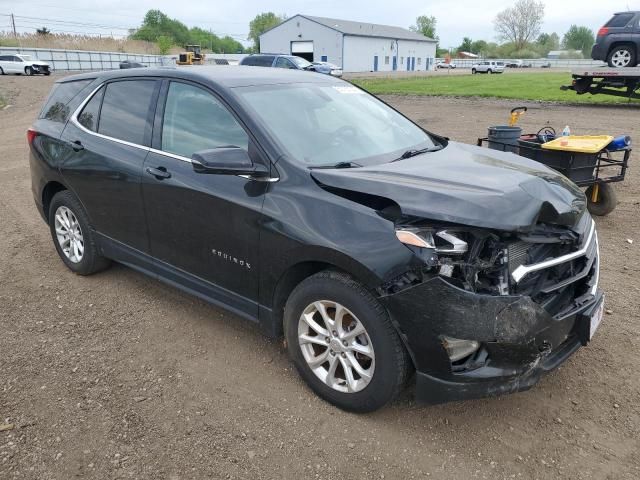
column 72, row 236
column 343, row 344
column 28, row 71
column 1, row 71
column 622, row 56
column 489, row 72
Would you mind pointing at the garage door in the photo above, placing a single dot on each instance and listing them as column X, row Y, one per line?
column 302, row 49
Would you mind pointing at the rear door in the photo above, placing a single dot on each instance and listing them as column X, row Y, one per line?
column 106, row 147
column 204, row 228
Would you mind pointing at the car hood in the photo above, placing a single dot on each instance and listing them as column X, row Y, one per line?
column 37, row 62
column 467, row 185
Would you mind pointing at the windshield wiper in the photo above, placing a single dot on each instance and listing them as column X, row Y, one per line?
column 338, row 165
column 413, row 153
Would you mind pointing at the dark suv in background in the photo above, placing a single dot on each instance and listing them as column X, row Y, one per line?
column 618, row 42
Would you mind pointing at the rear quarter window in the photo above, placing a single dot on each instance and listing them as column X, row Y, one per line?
column 56, row 107
column 620, row 20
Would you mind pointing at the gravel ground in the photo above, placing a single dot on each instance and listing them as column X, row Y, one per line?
column 118, row 376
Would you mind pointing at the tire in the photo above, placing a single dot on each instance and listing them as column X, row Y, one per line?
column 489, row 72
column 69, row 208
column 607, row 200
column 622, row 56
column 28, row 71
column 473, row 71
column 387, row 361
column 1, row 71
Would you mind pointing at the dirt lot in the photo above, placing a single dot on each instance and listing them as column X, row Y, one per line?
column 119, row 376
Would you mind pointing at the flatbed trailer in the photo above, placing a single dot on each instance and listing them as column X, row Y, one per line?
column 619, row 82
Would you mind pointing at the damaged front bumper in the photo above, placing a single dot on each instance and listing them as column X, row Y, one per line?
column 520, row 339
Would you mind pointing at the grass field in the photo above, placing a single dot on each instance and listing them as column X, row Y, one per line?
column 523, row 86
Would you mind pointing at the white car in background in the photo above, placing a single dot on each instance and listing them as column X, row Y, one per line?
column 22, row 64
column 445, row 65
column 488, row 66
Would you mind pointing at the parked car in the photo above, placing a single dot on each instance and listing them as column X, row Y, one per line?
column 618, row 41
column 319, row 213
column 290, row 62
column 129, row 64
column 514, row 64
column 488, row 66
column 23, row 64
column 327, row 68
column 445, row 65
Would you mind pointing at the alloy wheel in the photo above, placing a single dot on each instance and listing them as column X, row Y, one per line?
column 336, row 346
column 621, row 58
column 69, row 234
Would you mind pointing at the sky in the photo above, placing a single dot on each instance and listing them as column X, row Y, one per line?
column 455, row 19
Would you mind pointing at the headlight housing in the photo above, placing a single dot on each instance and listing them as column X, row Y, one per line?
column 471, row 258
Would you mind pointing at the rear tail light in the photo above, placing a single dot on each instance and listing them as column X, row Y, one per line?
column 603, row 31
column 31, row 135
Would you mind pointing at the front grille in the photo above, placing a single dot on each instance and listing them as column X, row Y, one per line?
column 555, row 275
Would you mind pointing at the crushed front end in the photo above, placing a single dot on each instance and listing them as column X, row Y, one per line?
column 485, row 312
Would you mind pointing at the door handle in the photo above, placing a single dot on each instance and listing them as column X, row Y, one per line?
column 160, row 173
column 76, row 145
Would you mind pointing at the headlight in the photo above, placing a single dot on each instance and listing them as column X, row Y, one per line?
column 443, row 242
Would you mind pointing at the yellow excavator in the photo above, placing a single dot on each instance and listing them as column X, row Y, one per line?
column 192, row 56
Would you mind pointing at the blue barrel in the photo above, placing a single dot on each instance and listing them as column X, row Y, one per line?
column 504, row 138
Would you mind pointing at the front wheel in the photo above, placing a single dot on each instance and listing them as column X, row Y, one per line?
column 343, row 344
column 489, row 72
column 28, row 71
column 622, row 56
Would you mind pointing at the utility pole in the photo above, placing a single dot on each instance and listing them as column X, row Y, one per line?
column 13, row 24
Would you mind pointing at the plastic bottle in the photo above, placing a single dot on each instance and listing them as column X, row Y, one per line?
column 566, row 132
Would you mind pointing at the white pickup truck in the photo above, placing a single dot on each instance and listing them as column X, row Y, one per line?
column 488, row 66
column 22, row 64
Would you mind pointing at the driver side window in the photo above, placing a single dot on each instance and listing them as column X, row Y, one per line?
column 195, row 120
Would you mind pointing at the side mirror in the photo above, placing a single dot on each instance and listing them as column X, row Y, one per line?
column 227, row 160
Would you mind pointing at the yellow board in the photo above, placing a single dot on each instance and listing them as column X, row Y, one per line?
column 579, row 143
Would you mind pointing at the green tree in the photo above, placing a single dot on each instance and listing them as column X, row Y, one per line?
column 260, row 24
column 426, row 25
column 164, row 44
column 579, row 38
column 466, row 45
column 521, row 23
column 479, row 47
column 547, row 42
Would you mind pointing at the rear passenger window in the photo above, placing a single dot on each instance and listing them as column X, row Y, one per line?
column 125, row 110
column 620, row 20
column 56, row 107
column 195, row 120
column 89, row 115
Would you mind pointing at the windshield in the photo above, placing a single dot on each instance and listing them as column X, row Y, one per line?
column 327, row 124
column 25, row 57
column 300, row 62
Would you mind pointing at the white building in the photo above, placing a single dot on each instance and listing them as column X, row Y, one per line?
column 354, row 46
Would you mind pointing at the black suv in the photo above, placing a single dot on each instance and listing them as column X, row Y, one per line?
column 618, row 42
column 315, row 210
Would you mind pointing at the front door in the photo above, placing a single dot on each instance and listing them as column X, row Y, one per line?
column 375, row 63
column 204, row 228
column 395, row 63
column 105, row 151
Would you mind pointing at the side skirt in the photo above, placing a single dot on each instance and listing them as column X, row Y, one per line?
column 184, row 281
